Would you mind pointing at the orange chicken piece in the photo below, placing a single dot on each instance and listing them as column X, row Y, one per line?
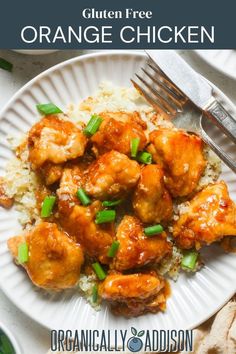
column 112, row 175
column 54, row 259
column 78, row 220
column 134, row 294
column 211, row 216
column 117, row 130
column 181, row 156
column 51, row 173
column 136, row 249
column 80, row 223
column 152, row 202
column 54, row 140
column 71, row 181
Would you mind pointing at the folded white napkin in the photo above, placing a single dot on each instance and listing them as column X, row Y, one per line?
column 218, row 336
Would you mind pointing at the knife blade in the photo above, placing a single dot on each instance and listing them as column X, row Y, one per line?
column 195, row 88
column 183, row 76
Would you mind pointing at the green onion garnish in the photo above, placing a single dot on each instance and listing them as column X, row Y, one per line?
column 48, row 108
column 5, row 345
column 153, row 230
column 144, row 157
column 113, row 249
column 105, row 216
column 85, row 200
column 189, row 260
column 99, row 271
column 134, row 144
column 23, row 253
column 47, row 206
column 5, row 65
column 111, row 203
column 93, row 125
column 95, row 294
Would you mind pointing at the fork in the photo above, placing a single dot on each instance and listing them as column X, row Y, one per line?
column 166, row 98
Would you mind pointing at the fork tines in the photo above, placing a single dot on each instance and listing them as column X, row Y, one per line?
column 158, row 90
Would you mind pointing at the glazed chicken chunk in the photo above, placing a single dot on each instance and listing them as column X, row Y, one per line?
column 117, row 130
column 54, row 140
column 54, row 259
column 136, row 249
column 181, row 156
column 51, row 173
column 152, row 202
column 71, row 181
column 80, row 223
column 111, row 175
column 78, row 220
column 211, row 215
column 134, row 294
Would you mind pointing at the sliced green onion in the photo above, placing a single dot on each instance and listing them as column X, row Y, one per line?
column 5, row 65
column 99, row 271
column 105, row 216
column 153, row 230
column 113, row 249
column 95, row 294
column 111, row 203
column 144, row 157
column 85, row 200
column 5, row 345
column 48, row 108
column 189, row 259
column 23, row 253
column 93, row 125
column 47, row 206
column 134, row 144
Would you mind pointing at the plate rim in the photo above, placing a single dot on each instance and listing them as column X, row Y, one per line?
column 39, row 77
column 61, row 65
column 206, row 60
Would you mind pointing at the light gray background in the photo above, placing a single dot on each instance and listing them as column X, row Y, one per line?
column 33, row 338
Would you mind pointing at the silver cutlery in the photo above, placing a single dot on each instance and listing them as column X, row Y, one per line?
column 169, row 83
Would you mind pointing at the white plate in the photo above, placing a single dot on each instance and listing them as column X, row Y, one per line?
column 194, row 298
column 222, row 60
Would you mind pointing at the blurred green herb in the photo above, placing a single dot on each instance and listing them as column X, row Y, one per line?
column 5, row 65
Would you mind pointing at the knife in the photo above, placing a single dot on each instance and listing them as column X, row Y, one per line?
column 195, row 88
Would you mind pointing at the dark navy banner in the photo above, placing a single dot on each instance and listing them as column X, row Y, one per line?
column 127, row 24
